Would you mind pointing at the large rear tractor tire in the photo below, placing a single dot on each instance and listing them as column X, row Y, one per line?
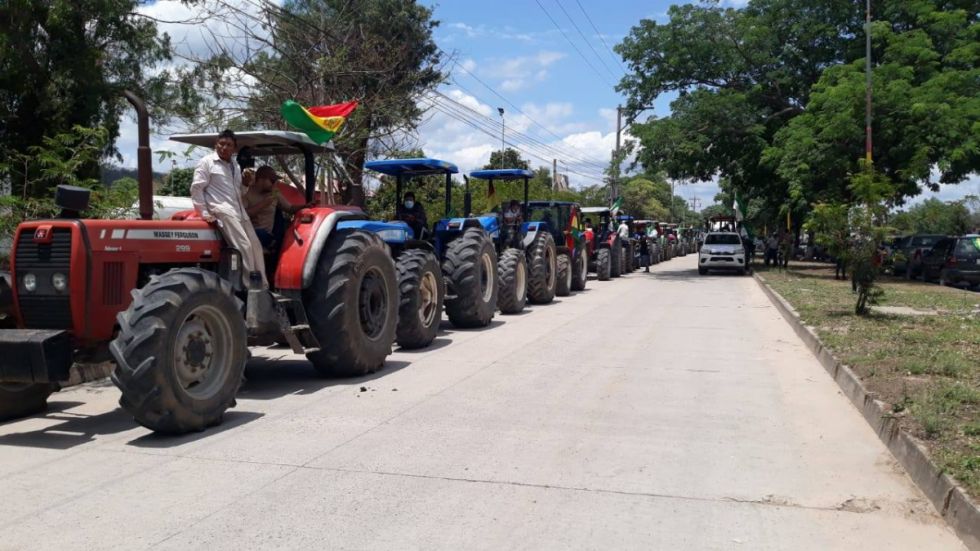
column 180, row 352
column 23, row 399
column 603, row 264
column 543, row 268
column 580, row 270
column 420, row 288
column 352, row 305
column 470, row 269
column 512, row 275
column 616, row 259
column 563, row 280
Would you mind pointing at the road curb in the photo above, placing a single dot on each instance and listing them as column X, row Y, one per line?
column 952, row 503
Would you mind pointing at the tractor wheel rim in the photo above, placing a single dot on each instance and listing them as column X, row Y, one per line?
column 568, row 275
column 203, row 352
column 373, row 303
column 582, row 264
column 486, row 277
column 520, row 280
column 429, row 295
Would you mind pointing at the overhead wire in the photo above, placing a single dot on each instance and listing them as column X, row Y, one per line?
column 584, row 39
column 572, row 44
column 448, row 111
column 504, row 99
column 551, row 149
column 599, row 34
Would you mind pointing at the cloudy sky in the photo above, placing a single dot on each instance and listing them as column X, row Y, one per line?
column 547, row 63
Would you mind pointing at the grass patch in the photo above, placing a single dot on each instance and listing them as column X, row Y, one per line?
column 926, row 367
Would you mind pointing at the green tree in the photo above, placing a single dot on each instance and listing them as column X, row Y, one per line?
column 771, row 97
column 378, row 52
column 935, row 216
column 511, row 159
column 62, row 66
column 178, row 182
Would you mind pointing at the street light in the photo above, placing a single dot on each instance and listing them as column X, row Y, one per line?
column 502, row 127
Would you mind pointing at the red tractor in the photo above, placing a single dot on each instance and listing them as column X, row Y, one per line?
column 606, row 248
column 168, row 299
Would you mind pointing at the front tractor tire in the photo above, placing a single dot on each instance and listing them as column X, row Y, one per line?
column 470, row 268
column 543, row 268
column 603, row 264
column 352, row 305
column 616, row 258
column 180, row 352
column 23, row 399
column 512, row 275
column 420, row 288
column 563, row 281
column 580, row 270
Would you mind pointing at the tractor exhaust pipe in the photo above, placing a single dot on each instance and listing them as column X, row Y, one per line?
column 144, row 160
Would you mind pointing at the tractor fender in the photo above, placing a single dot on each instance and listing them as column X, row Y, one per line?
column 305, row 240
column 392, row 233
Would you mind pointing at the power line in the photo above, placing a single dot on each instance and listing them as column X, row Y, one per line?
column 586, row 40
column 494, row 127
column 477, row 126
column 595, row 164
column 585, row 59
column 603, row 40
column 505, row 100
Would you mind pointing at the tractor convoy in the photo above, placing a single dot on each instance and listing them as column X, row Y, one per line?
column 170, row 303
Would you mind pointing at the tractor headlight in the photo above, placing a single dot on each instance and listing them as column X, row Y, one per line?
column 393, row 235
column 30, row 283
column 60, row 282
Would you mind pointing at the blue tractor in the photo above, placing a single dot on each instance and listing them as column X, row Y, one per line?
column 461, row 246
column 534, row 239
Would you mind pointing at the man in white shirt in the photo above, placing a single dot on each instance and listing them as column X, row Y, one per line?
column 216, row 192
column 623, row 230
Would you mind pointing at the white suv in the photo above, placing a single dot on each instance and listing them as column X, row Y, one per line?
column 722, row 251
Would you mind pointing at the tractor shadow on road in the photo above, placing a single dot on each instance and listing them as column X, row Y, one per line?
column 232, row 419
column 269, row 378
column 74, row 429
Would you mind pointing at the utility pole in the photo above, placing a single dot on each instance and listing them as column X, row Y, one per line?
column 867, row 84
column 695, row 202
column 502, row 127
column 554, row 174
column 615, row 170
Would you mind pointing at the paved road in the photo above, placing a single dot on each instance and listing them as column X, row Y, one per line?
column 658, row 411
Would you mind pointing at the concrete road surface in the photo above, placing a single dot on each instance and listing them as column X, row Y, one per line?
column 657, row 411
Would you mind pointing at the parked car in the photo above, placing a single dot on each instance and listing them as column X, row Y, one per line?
column 722, row 251
column 953, row 260
column 913, row 249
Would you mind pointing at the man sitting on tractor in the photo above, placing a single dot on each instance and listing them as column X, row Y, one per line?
column 216, row 192
column 513, row 218
column 413, row 214
column 261, row 201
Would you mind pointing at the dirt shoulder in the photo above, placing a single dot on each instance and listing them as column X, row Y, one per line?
column 920, row 353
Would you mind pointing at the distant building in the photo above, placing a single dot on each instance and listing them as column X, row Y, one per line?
column 561, row 182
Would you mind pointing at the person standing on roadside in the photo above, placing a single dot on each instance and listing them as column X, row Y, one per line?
column 772, row 249
column 216, row 191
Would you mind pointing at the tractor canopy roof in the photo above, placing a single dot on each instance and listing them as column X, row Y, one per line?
column 261, row 142
column 502, row 174
column 595, row 210
column 412, row 167
column 545, row 203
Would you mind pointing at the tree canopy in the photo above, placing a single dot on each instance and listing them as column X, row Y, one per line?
column 62, row 66
column 771, row 96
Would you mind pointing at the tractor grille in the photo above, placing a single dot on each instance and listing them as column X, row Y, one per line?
column 112, row 276
column 45, row 308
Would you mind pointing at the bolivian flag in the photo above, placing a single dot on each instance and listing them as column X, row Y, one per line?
column 319, row 123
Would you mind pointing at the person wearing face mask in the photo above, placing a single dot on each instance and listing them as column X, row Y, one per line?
column 412, row 214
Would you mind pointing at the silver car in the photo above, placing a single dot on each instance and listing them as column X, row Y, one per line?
column 722, row 251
